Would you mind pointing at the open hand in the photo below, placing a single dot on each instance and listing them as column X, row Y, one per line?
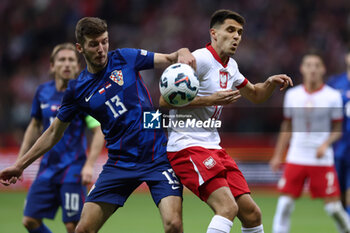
column 224, row 97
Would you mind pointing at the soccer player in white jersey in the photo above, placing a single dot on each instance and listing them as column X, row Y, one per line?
column 195, row 154
column 313, row 122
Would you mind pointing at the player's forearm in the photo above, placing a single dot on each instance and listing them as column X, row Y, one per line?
column 335, row 134
column 96, row 146
column 283, row 139
column 44, row 143
column 182, row 55
column 196, row 102
column 262, row 92
column 31, row 134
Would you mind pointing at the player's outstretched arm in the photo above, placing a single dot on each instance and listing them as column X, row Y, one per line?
column 31, row 134
column 96, row 147
column 44, row 143
column 218, row 98
column 281, row 145
column 182, row 55
column 260, row 92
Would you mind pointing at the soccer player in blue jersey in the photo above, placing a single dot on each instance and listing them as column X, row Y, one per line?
column 111, row 90
column 341, row 82
column 64, row 170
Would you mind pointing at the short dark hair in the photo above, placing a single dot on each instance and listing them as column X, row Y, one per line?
column 59, row 47
column 89, row 26
column 313, row 52
column 219, row 16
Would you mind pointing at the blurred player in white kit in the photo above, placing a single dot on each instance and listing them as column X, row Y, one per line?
column 312, row 123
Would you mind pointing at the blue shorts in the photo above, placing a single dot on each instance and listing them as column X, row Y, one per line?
column 342, row 166
column 44, row 198
column 115, row 184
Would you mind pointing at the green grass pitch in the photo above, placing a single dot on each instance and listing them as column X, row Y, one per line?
column 139, row 215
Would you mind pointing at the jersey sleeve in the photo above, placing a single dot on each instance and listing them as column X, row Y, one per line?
column 91, row 122
column 337, row 107
column 239, row 80
column 141, row 59
column 36, row 110
column 69, row 107
column 287, row 107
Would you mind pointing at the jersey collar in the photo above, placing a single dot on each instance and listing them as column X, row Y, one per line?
column 312, row 92
column 215, row 55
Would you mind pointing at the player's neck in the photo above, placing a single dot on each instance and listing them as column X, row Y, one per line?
column 61, row 84
column 95, row 69
column 224, row 58
column 312, row 87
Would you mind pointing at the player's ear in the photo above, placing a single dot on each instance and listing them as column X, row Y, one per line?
column 79, row 47
column 212, row 33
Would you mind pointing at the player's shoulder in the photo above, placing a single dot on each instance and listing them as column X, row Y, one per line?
column 295, row 90
column 338, row 79
column 330, row 91
column 46, row 85
column 202, row 55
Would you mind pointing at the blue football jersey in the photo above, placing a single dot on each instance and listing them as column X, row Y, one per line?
column 117, row 98
column 63, row 163
column 342, row 83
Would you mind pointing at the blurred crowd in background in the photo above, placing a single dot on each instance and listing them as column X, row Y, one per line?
column 276, row 35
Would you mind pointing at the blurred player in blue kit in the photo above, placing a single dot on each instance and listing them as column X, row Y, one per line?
column 64, row 170
column 341, row 82
column 111, row 90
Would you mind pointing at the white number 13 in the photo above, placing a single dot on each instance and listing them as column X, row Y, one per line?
column 118, row 108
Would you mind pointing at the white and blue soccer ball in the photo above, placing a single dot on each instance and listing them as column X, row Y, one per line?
column 178, row 84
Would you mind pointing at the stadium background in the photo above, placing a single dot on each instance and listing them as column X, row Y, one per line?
column 276, row 35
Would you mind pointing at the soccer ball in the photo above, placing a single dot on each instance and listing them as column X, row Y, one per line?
column 178, row 84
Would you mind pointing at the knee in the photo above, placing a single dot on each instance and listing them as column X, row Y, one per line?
column 252, row 217
column 80, row 228
column 31, row 223
column 173, row 225
column 229, row 210
column 70, row 227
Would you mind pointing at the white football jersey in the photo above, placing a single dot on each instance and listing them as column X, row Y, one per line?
column 213, row 76
column 311, row 115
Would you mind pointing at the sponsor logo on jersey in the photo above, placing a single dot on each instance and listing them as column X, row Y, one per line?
column 43, row 106
column 71, row 214
column 117, row 77
column 151, row 120
column 209, row 162
column 88, row 98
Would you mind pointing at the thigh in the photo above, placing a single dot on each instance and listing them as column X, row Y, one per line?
column 342, row 171
column 170, row 208
column 323, row 182
column 196, row 165
column 42, row 200
column 114, row 185
column 235, row 179
column 94, row 215
column 162, row 181
column 72, row 201
column 293, row 180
